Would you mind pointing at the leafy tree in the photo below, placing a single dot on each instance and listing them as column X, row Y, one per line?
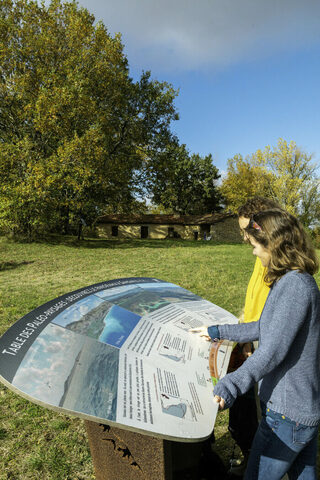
column 184, row 183
column 309, row 205
column 75, row 129
column 244, row 180
column 293, row 174
column 284, row 173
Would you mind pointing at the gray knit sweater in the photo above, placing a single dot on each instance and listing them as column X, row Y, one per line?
column 287, row 362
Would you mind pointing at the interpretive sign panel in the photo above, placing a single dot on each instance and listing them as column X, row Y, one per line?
column 119, row 352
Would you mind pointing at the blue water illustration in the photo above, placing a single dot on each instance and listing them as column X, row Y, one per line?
column 178, row 410
column 119, row 323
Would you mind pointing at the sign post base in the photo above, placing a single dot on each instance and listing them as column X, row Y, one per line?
column 119, row 454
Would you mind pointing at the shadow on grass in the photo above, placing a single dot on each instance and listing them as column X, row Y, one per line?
column 226, row 448
column 12, row 265
column 96, row 243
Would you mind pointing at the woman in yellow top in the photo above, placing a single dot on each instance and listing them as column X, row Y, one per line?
column 243, row 420
column 257, row 292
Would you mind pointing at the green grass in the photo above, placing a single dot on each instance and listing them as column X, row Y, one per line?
column 38, row 443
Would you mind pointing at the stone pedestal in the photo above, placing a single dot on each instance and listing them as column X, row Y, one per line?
column 119, row 454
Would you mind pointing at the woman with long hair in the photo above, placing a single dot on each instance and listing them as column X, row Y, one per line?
column 287, row 362
column 244, row 415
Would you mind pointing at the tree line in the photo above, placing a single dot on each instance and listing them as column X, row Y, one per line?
column 80, row 138
column 284, row 173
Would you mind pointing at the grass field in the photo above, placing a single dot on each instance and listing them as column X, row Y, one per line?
column 38, row 443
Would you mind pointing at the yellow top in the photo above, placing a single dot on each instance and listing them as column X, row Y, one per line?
column 257, row 293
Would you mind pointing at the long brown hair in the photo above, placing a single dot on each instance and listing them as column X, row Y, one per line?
column 285, row 238
column 256, row 204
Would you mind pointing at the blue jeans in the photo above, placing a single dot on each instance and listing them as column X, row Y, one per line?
column 282, row 446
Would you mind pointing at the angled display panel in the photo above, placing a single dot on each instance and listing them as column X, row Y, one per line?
column 119, row 352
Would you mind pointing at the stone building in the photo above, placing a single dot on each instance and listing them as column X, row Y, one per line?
column 218, row 226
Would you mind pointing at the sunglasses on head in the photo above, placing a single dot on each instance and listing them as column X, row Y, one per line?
column 254, row 224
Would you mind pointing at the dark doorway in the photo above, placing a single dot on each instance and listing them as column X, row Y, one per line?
column 170, row 232
column 115, row 231
column 144, row 231
column 205, row 231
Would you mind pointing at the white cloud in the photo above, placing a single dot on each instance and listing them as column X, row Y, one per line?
column 192, row 34
column 48, row 363
column 54, row 347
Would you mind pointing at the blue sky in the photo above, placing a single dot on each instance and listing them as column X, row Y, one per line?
column 251, row 105
column 247, row 70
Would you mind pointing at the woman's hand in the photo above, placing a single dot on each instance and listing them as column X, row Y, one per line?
column 219, row 400
column 202, row 331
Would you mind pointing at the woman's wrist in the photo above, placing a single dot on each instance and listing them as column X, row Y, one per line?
column 213, row 332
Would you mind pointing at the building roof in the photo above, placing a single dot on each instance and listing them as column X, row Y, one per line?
column 209, row 218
